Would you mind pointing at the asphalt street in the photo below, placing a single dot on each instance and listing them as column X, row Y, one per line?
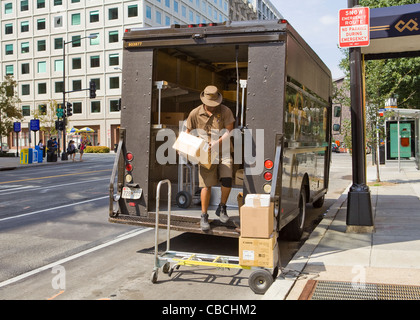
column 56, row 216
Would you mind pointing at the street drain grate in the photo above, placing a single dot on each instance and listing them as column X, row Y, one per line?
column 337, row 290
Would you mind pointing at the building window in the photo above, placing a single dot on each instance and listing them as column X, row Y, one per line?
column 40, row 4
column 40, row 24
column 42, row 88
column 9, row 70
column 8, row 8
column 176, row 6
column 114, row 59
column 77, row 107
column 58, row 86
column 94, row 62
column 58, row 65
column 148, row 12
column 24, row 47
column 58, row 21
column 113, row 106
column 25, row 68
column 168, row 3
column 94, row 16
column 76, row 63
column 114, row 82
column 75, row 41
column 42, row 108
column 42, row 67
column 95, row 41
column 8, row 28
column 42, row 45
column 132, row 11
column 95, row 107
column 167, row 21
column 24, row 6
column 113, row 13
column 26, row 111
column 113, row 36
column 75, row 19
column 75, row 1
column 58, row 2
column 158, row 17
column 26, row 90
column 9, row 49
column 184, row 11
column 24, row 26
column 58, row 43
column 77, row 85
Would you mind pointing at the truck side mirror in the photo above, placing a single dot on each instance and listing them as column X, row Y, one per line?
column 336, row 127
column 337, row 111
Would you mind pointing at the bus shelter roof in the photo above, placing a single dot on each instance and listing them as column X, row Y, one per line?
column 394, row 32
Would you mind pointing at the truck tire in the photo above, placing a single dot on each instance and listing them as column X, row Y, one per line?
column 294, row 229
column 319, row 202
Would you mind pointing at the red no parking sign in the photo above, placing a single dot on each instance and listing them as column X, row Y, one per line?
column 354, row 27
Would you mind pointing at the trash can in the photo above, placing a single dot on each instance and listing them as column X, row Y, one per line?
column 382, row 154
column 52, row 155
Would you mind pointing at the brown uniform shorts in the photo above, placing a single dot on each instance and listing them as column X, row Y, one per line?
column 211, row 177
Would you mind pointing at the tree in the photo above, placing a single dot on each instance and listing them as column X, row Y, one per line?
column 9, row 111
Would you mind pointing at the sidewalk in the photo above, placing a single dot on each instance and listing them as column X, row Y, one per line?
column 11, row 163
column 385, row 264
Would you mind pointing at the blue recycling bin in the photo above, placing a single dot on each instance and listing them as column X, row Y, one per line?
column 30, row 155
column 40, row 154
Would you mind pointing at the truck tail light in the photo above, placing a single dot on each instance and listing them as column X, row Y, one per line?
column 129, row 156
column 268, row 176
column 268, row 164
column 129, row 167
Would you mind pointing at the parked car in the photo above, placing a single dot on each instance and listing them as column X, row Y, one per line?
column 4, row 147
column 335, row 148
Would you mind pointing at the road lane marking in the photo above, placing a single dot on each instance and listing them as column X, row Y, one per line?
column 57, row 176
column 50, row 209
column 119, row 238
column 15, row 190
column 56, row 295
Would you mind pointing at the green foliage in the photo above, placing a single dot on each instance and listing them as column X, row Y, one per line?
column 9, row 100
column 96, row 149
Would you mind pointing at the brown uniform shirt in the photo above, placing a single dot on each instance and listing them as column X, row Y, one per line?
column 210, row 128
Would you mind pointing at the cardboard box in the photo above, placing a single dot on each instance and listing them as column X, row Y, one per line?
column 254, row 252
column 194, row 149
column 169, row 118
column 257, row 200
column 257, row 222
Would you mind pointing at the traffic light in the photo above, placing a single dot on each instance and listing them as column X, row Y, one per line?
column 59, row 125
column 92, row 89
column 69, row 110
column 59, row 112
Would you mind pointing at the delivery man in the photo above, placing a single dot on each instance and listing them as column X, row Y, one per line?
column 213, row 122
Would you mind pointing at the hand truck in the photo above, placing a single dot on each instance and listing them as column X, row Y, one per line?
column 259, row 281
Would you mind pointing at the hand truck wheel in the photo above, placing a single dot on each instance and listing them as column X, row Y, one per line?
column 183, row 199
column 154, row 276
column 260, row 280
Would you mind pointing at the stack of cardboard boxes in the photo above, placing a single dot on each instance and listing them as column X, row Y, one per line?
column 258, row 240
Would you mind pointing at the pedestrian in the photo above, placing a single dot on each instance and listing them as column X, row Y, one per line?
column 71, row 149
column 82, row 148
column 213, row 122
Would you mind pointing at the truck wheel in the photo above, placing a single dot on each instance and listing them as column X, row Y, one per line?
column 294, row 229
column 319, row 202
column 183, row 199
column 259, row 281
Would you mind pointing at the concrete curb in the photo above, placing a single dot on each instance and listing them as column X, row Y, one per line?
column 286, row 280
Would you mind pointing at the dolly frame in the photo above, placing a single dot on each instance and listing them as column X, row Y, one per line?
column 259, row 281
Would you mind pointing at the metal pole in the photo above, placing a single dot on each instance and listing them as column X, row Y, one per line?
column 64, row 154
column 399, row 143
column 359, row 207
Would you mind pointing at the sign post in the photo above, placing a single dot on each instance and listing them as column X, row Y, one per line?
column 354, row 33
